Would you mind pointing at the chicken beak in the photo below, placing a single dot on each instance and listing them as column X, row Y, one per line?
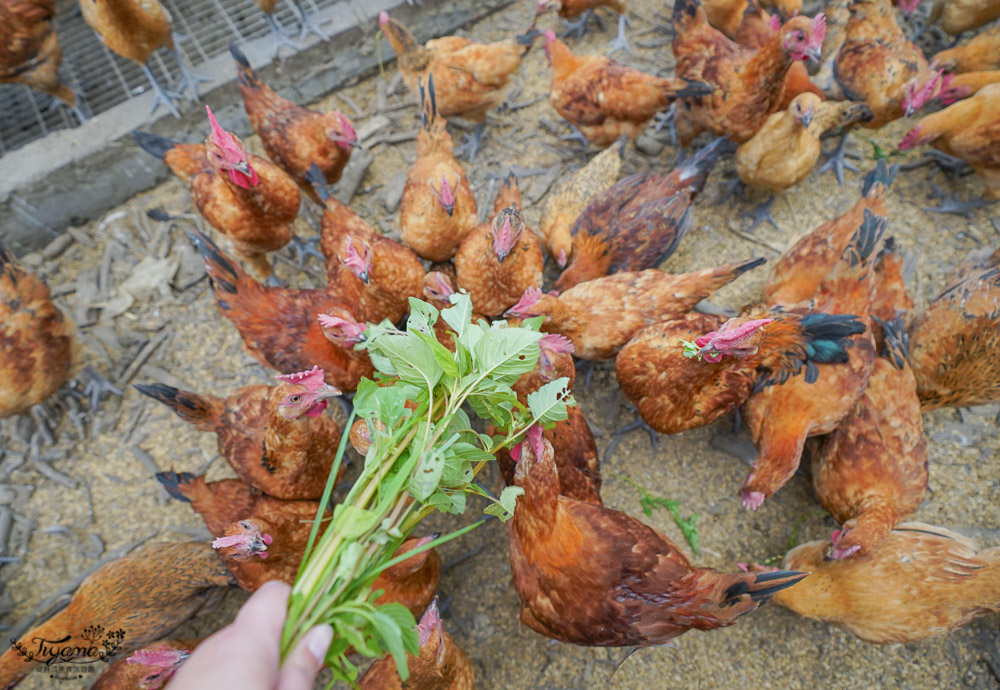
column 449, row 209
column 243, row 167
column 806, row 118
column 328, row 391
column 814, row 53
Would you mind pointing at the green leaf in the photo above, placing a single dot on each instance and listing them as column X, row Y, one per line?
column 691, row 350
column 404, row 619
column 504, row 354
column 444, row 357
column 391, row 634
column 427, row 476
column 505, row 508
column 534, row 323
column 495, row 401
column 353, row 521
column 447, row 501
column 410, row 357
column 548, row 403
column 459, row 314
column 422, row 317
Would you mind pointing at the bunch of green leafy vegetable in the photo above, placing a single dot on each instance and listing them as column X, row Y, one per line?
column 424, row 456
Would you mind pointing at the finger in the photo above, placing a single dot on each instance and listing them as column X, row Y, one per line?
column 265, row 612
column 300, row 668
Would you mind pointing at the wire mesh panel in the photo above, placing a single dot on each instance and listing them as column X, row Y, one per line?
column 103, row 80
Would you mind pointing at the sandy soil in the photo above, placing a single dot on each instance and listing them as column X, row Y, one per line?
column 118, row 501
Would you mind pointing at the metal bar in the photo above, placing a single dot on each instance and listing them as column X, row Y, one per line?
column 118, row 72
column 38, row 113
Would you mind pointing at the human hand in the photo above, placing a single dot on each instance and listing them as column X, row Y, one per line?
column 244, row 654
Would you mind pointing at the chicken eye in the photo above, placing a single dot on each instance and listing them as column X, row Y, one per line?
column 295, row 399
column 245, row 525
column 799, row 35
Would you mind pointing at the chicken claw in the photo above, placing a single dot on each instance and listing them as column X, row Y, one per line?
column 620, row 41
column 579, row 27
column 471, row 143
column 189, row 79
column 576, row 135
column 837, row 160
column 279, row 36
column 761, row 213
column 951, row 203
column 304, row 248
column 734, row 186
column 160, row 95
column 308, row 25
column 639, row 423
column 97, row 386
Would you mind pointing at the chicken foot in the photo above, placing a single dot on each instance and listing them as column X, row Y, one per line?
column 471, row 142
column 307, row 24
column 639, row 423
column 620, row 41
column 579, row 27
column 837, row 160
column 953, row 204
column 761, row 213
column 279, row 36
column 97, row 386
column 189, row 79
column 160, row 95
column 575, row 135
column 304, row 248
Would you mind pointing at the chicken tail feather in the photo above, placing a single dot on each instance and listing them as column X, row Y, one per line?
column 528, row 38
column 202, row 412
column 317, row 179
column 879, row 179
column 895, row 341
column 692, row 89
column 173, row 481
column 865, row 240
column 153, row 144
column 696, row 169
column 244, row 73
column 760, row 587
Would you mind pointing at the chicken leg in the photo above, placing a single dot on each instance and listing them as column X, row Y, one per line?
column 189, row 79
column 160, row 95
column 308, row 25
column 837, row 160
column 579, row 27
column 620, row 41
column 279, row 36
column 761, row 213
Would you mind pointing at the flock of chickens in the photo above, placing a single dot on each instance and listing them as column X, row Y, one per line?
column 829, row 361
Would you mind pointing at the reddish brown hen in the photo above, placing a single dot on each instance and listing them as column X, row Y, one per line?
column 872, row 471
column 601, row 315
column 438, row 208
column 676, row 388
column 440, row 664
column 276, row 438
column 149, row 668
column 748, row 82
column 592, row 576
column 924, row 581
column 955, row 341
column 136, row 599
column 638, row 222
column 781, row 416
column 295, row 137
column 604, row 99
column 38, row 348
column 502, row 258
column 248, row 199
column 29, row 49
column 281, row 328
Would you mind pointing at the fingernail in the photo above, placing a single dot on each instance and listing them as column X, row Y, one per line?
column 319, row 641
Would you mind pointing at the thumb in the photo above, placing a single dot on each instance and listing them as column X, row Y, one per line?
column 300, row 668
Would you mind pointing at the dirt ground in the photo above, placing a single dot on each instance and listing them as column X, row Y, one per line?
column 162, row 325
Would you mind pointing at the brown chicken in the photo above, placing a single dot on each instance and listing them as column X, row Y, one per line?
column 38, row 347
column 567, row 9
column 955, row 341
column 730, row 16
column 638, row 223
column 275, row 438
column 135, row 29
column 294, row 137
column 281, row 328
column 782, row 416
column 149, row 668
column 502, row 258
column 966, row 130
column 676, row 389
column 440, row 664
column 604, row 99
column 924, row 581
column 248, row 199
column 412, row 582
column 373, row 273
column 979, row 54
column 29, row 49
column 601, row 315
column 438, row 208
column 593, row 576
column 135, row 600
column 801, row 270
column 259, row 538
column 748, row 82
column 958, row 16
column 872, row 471
column 564, row 205
column 469, row 78
column 891, row 299
column 785, row 149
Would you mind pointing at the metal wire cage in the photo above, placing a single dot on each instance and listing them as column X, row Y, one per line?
column 103, row 80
